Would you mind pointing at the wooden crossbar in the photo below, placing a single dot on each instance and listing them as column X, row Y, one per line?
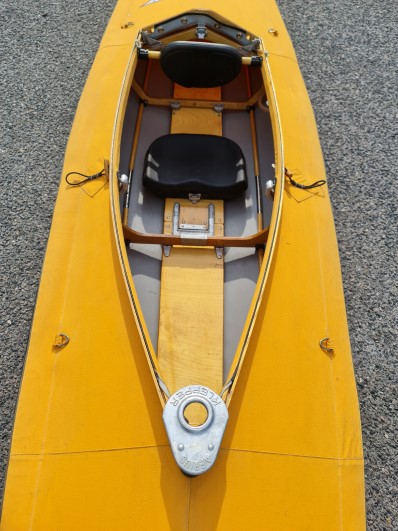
column 254, row 240
column 189, row 102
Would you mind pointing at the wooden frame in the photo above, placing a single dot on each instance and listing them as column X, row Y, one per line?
column 259, row 238
column 154, row 54
column 228, row 105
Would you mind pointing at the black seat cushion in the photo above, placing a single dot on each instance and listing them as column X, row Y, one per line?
column 200, row 64
column 213, row 166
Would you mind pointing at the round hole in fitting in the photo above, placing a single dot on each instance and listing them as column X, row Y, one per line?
column 195, row 414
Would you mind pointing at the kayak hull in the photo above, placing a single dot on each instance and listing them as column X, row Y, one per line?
column 89, row 450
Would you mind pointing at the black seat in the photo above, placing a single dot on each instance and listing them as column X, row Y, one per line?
column 179, row 164
column 200, row 64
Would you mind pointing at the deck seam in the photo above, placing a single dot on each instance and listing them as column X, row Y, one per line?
column 244, row 450
column 39, row 454
column 303, row 456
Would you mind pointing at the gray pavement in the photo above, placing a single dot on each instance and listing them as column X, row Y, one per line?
column 348, row 55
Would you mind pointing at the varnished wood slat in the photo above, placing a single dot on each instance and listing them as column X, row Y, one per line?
column 190, row 345
column 194, row 120
column 191, row 317
column 199, row 94
column 201, row 121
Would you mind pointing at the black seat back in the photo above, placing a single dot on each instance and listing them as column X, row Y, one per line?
column 200, row 64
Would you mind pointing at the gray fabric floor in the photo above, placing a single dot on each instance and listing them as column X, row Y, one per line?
column 348, row 54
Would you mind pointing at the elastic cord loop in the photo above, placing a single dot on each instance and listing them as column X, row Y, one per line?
column 86, row 177
column 315, row 184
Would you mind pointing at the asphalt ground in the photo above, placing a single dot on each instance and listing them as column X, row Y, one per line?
column 347, row 51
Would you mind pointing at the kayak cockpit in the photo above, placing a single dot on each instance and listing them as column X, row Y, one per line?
column 195, row 216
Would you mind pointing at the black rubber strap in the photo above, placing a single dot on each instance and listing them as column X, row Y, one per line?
column 315, row 184
column 86, row 177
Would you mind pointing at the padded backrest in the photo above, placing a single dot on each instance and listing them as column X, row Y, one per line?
column 200, row 64
column 179, row 164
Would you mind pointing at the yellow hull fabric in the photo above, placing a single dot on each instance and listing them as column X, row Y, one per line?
column 89, row 448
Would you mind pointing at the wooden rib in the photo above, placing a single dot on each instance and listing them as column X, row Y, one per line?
column 135, row 146
column 259, row 238
column 260, row 251
column 228, row 105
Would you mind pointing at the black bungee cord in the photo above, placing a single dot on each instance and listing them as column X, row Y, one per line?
column 86, row 177
column 315, row 184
